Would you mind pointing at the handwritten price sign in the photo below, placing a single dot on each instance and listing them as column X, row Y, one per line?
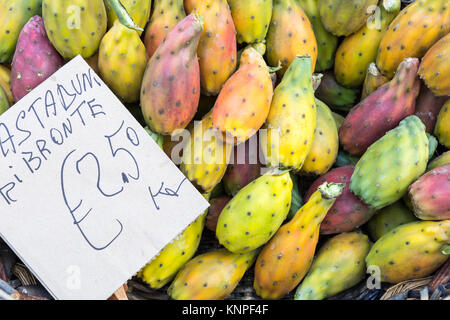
column 87, row 198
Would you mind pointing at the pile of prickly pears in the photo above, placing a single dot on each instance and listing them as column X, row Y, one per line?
column 318, row 130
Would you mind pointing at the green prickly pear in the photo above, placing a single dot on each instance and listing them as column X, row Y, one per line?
column 442, row 160
column 338, row 266
column 211, row 276
column 75, row 26
column 255, row 213
column 410, row 251
column 4, row 104
column 334, row 95
column 139, row 11
column 383, row 174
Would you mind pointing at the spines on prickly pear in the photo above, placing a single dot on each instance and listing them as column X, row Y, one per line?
column 382, row 110
column 428, row 107
column 442, row 128
column 217, row 48
column 430, row 194
column 215, row 208
column 410, row 251
column 391, row 164
column 412, row 33
column 348, row 212
column 211, row 276
column 326, row 42
column 338, row 266
column 292, row 117
column 5, row 83
column 344, row 17
column 290, row 34
column 13, row 16
column 374, row 79
column 325, row 144
column 251, row 19
column 334, row 95
column 255, row 213
column 244, row 101
column 35, row 59
column 205, row 157
column 389, row 218
column 4, row 104
column 171, row 85
column 286, row 258
column 75, row 26
column 163, row 268
column 166, row 14
column 443, row 159
column 358, row 50
column 139, row 11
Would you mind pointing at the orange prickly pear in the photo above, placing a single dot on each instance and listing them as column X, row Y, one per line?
column 290, row 34
column 244, row 101
column 412, row 33
column 166, row 14
column 211, row 276
column 287, row 257
column 171, row 85
column 217, row 48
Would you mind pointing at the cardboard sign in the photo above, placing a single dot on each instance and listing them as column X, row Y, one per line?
column 87, row 198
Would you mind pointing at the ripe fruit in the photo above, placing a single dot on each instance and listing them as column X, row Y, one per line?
column 442, row 128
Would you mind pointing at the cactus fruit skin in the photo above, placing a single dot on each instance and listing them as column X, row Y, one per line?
column 344, row 17
column 410, row 251
column 61, row 19
column 442, row 128
column 348, row 212
column 4, row 104
column 430, row 194
column 443, row 159
column 287, row 257
column 292, row 118
column 216, row 207
column 325, row 144
column 358, row 50
column 162, row 269
column 166, row 14
column 339, row 265
column 374, row 79
column 383, row 174
column 211, row 276
column 338, row 119
column 334, row 95
column 171, row 85
column 139, row 11
column 389, row 218
column 35, row 59
column 416, row 28
column 290, row 34
column 251, row 19
column 205, row 157
column 255, row 213
column 435, row 69
column 13, row 16
column 244, row 101
column 428, row 107
column 122, row 61
column 327, row 42
column 217, row 48
column 5, row 83
column 382, row 110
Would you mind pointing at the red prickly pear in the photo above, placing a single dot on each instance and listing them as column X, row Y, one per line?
column 216, row 207
column 430, row 194
column 428, row 107
column 381, row 111
column 171, row 86
column 35, row 58
column 347, row 212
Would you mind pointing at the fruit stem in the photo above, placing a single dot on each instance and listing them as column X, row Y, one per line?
column 123, row 15
column 331, row 190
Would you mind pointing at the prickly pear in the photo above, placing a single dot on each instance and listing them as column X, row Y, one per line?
column 338, row 119
column 139, row 11
column 428, row 107
column 334, row 95
column 35, row 59
column 171, row 85
column 5, row 83
column 382, row 110
column 255, row 213
column 442, row 128
column 338, row 266
column 211, row 276
column 215, row 208
column 410, row 251
column 443, row 159
column 4, row 104
column 391, row 164
column 286, row 258
column 374, row 79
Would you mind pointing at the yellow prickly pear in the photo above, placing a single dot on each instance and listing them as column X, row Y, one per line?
column 410, row 251
column 442, row 160
column 374, row 79
column 325, row 144
column 292, row 117
column 287, row 257
column 290, row 34
column 139, row 11
column 211, row 276
column 4, row 104
column 5, row 83
column 442, row 128
column 339, row 265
